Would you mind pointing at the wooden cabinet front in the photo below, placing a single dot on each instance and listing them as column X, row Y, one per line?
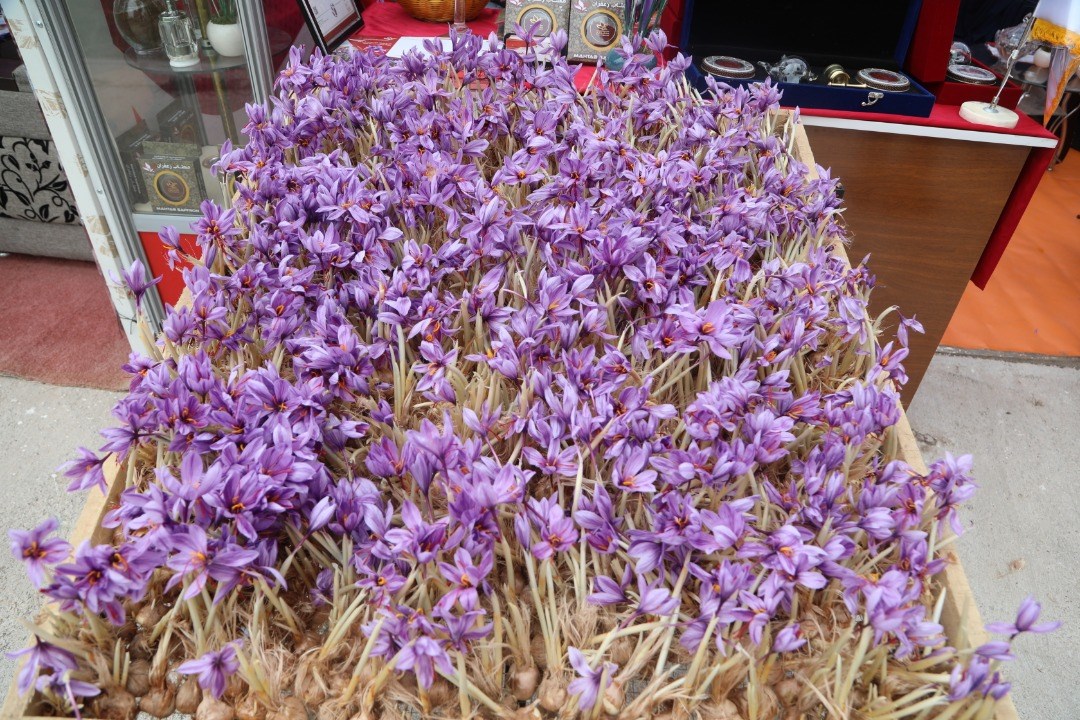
column 923, row 208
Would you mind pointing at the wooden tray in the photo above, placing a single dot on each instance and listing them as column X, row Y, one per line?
column 959, row 615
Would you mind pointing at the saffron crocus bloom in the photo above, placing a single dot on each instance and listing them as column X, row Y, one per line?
column 86, row 471
column 37, row 550
column 588, row 683
column 420, row 539
column 557, row 532
column 198, row 560
column 465, row 578
column 629, row 473
column 422, row 656
column 996, row 650
column 90, row 581
column 965, row 681
column 1026, row 621
column 597, row 519
column 63, row 686
column 653, row 599
column 136, row 281
column 789, row 639
column 608, row 592
column 213, row 669
column 41, row 656
column 464, row 629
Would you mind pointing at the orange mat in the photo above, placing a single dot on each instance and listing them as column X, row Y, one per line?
column 1032, row 302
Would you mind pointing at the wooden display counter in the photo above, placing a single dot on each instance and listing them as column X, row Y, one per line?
column 933, row 205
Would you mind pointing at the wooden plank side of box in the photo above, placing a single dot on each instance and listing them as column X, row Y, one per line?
column 960, row 617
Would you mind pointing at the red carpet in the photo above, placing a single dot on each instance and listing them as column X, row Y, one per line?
column 57, row 324
column 1032, row 302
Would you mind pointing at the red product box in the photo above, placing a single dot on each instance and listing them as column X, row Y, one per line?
column 671, row 22
column 928, row 54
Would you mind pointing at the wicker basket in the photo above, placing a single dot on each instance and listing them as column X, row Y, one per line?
column 440, row 10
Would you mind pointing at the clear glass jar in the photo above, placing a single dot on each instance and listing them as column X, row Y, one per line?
column 178, row 37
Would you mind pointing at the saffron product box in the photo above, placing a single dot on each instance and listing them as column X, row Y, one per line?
column 549, row 15
column 595, row 28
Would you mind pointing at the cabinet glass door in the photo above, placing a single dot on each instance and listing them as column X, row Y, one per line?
column 168, row 119
column 166, row 115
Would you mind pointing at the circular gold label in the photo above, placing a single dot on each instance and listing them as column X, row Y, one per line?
column 601, row 29
column 537, row 14
column 171, row 188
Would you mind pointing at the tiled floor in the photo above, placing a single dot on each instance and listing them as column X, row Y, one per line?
column 1032, row 302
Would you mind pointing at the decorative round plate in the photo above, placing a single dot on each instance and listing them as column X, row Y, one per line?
column 972, row 74
column 882, row 79
column 728, row 67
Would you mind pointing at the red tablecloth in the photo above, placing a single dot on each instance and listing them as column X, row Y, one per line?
column 941, row 116
column 388, row 19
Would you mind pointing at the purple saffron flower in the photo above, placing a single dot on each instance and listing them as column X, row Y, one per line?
column 608, row 592
column 557, row 532
column 757, row 612
column 213, row 669
column 629, row 472
column 965, row 681
column 653, row 599
column 61, row 685
column 86, row 472
column 789, row 639
column 589, row 682
column 465, row 578
column 37, row 550
column 420, row 539
column 422, row 656
column 90, row 580
column 135, row 280
column 321, row 514
column 596, row 517
column 196, row 558
column 41, row 655
column 1026, row 621
column 997, row 687
column 996, row 650
column 465, row 628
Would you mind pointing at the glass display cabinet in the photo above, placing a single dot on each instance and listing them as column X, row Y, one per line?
column 145, row 93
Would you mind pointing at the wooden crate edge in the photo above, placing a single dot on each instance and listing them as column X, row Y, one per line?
column 87, row 528
column 960, row 616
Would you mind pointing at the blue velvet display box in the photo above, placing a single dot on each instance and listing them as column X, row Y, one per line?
column 854, row 34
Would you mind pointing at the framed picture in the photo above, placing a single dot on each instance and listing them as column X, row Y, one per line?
column 331, row 21
column 547, row 15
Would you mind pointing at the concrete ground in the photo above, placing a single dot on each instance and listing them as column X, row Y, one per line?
column 1019, row 419
column 40, row 428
